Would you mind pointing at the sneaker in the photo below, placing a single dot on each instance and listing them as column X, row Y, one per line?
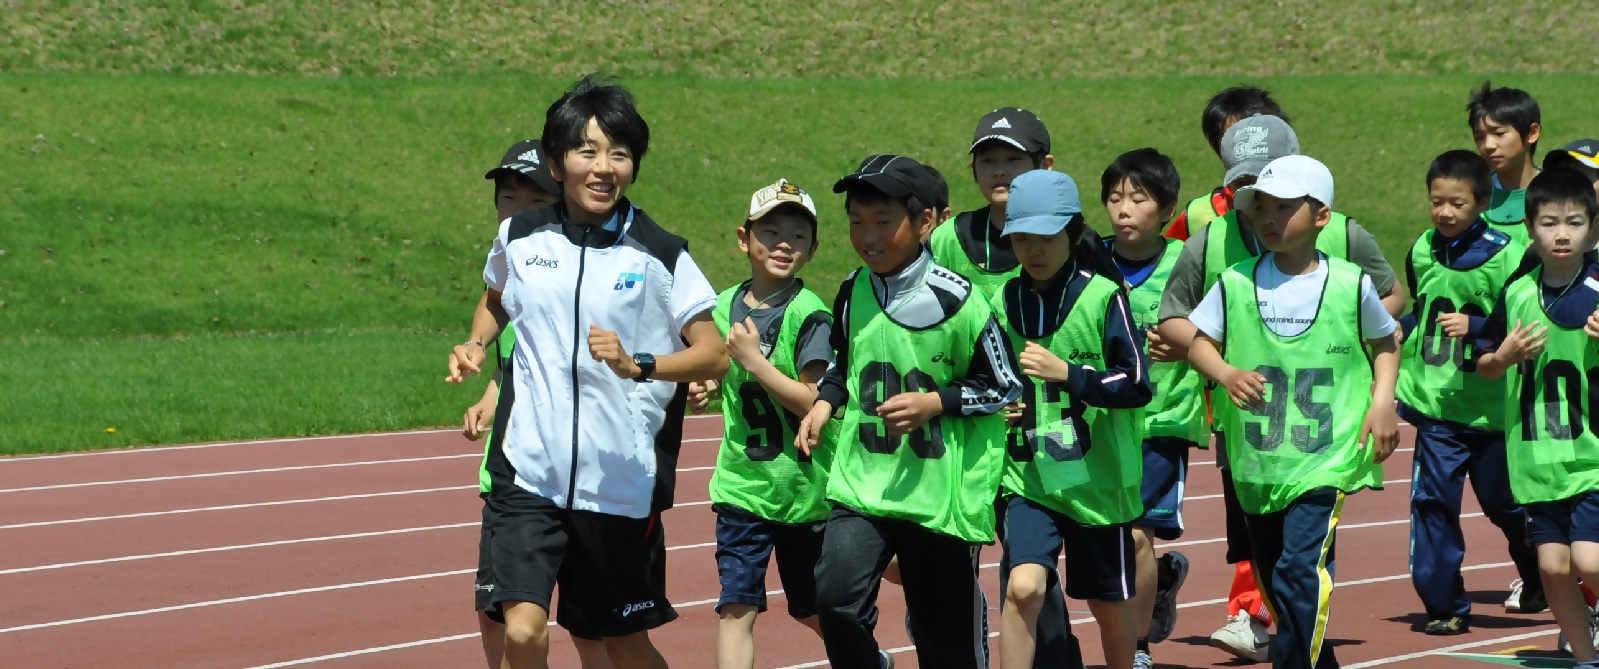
column 1448, row 626
column 1141, row 660
column 1243, row 636
column 1523, row 600
column 1172, row 569
column 1563, row 645
column 888, row 660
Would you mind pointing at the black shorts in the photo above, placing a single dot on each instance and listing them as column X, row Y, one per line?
column 744, row 546
column 610, row 570
column 484, row 583
column 1099, row 560
column 1165, row 475
column 1564, row 521
column 1240, row 548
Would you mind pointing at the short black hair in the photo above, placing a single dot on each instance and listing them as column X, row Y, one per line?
column 1511, row 106
column 1037, row 156
column 1561, row 186
column 1238, row 102
column 595, row 97
column 940, row 190
column 865, row 193
column 1149, row 170
column 1467, row 166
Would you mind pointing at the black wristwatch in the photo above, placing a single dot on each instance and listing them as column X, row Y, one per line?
column 646, row 366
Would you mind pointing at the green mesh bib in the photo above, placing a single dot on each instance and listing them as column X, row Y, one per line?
column 1083, row 461
column 1437, row 372
column 1552, row 421
column 1177, row 410
column 948, row 251
column 758, row 469
column 1304, row 435
column 943, row 476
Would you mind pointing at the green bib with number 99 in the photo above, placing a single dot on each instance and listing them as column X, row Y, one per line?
column 758, row 468
column 1552, row 409
column 1304, row 434
column 1082, row 461
column 944, row 475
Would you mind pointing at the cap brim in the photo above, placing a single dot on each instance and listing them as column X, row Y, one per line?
column 1590, row 161
column 778, row 203
column 1037, row 225
column 1008, row 140
column 1277, row 188
column 1248, row 168
column 890, row 186
column 539, row 177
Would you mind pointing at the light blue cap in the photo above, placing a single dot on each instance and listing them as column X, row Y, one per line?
column 1041, row 202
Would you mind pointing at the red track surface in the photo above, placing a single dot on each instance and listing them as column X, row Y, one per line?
column 358, row 552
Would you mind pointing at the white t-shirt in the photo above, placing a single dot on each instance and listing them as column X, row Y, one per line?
column 1289, row 303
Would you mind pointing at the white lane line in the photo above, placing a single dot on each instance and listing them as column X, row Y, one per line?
column 235, row 600
column 1451, row 649
column 365, row 651
column 238, row 547
column 232, row 507
column 296, row 468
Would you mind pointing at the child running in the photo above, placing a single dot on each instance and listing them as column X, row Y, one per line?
column 1072, row 477
column 1139, row 191
column 1456, row 270
column 1541, row 331
column 921, row 372
column 1275, row 333
column 768, row 496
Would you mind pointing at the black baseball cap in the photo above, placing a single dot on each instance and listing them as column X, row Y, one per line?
column 895, row 176
column 1017, row 127
column 527, row 158
column 1583, row 151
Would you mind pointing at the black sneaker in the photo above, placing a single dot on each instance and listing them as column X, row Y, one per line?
column 1448, row 626
column 1533, row 601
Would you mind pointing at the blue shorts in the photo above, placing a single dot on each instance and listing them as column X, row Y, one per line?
column 1165, row 473
column 744, row 545
column 1564, row 521
column 1099, row 558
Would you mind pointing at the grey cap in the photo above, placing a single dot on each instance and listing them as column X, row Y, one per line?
column 1253, row 142
column 1041, row 202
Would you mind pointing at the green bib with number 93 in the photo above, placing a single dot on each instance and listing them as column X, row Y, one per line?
column 1304, row 434
column 1082, row 461
column 944, row 475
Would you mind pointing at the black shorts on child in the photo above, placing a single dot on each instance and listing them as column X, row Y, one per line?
column 1165, row 474
column 1564, row 521
column 610, row 569
column 744, row 547
column 1099, row 561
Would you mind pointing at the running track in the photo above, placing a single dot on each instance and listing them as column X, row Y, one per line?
column 359, row 551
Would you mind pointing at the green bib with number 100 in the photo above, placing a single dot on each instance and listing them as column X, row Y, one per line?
column 944, row 475
column 1437, row 372
column 1552, row 421
column 1304, row 434
column 1082, row 461
column 758, row 468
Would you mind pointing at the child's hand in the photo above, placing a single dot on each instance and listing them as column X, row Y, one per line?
column 606, row 347
column 743, row 342
column 1453, row 325
column 699, row 395
column 905, row 413
column 479, row 417
column 1592, row 327
column 1159, row 350
column 1039, row 363
column 1382, row 428
column 465, row 358
column 1013, row 413
column 1247, row 388
column 810, row 427
column 1523, row 342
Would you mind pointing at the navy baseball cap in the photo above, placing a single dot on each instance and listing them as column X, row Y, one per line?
column 1042, row 202
column 895, row 176
column 527, row 158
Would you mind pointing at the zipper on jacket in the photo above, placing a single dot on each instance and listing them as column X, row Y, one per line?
column 577, row 337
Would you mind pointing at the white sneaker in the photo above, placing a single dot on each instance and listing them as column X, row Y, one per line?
column 1564, row 645
column 1513, row 602
column 1243, row 636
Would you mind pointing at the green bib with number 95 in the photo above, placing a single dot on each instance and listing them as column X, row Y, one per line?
column 944, row 475
column 758, row 468
column 1552, row 409
column 1304, row 434
column 1082, row 461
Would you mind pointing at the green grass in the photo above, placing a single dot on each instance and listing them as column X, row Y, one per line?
column 144, row 218
column 69, row 395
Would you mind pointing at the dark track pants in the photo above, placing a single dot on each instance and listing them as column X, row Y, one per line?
column 1293, row 551
column 1445, row 454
